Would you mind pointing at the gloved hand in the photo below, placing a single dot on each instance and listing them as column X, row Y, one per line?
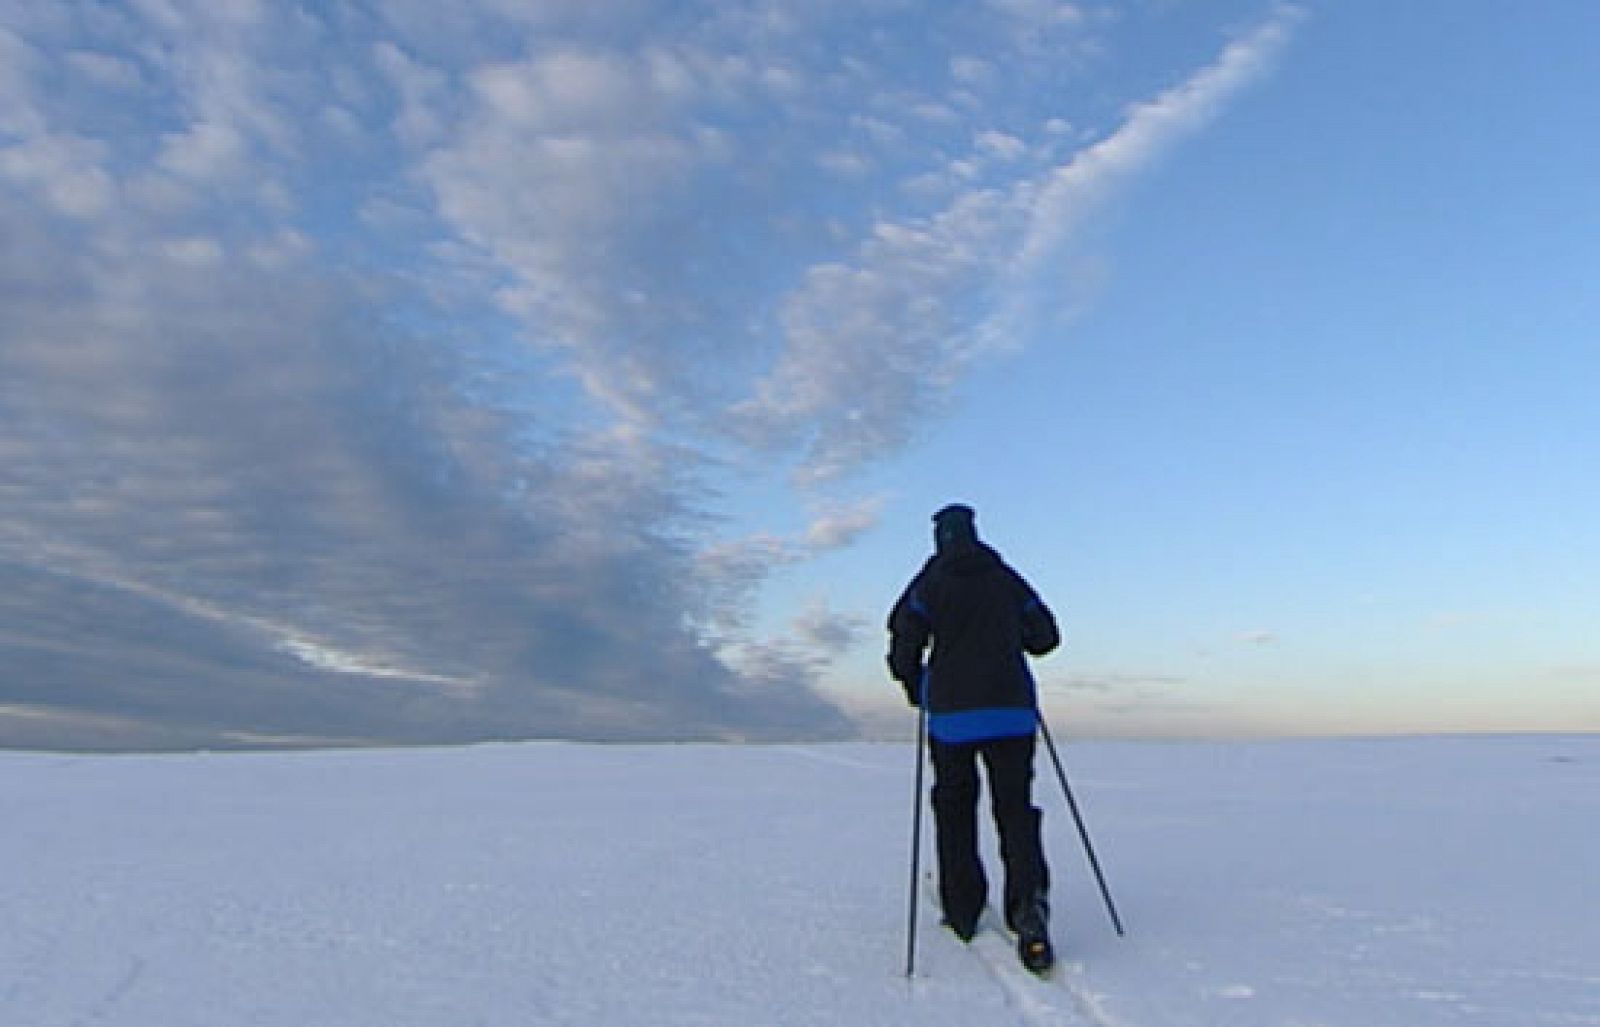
column 914, row 688
column 910, row 679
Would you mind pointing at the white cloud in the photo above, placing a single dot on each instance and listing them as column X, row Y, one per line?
column 873, row 341
column 935, row 112
column 562, row 173
column 878, row 130
column 734, row 572
column 65, row 170
column 564, row 92
column 285, row 249
column 828, row 633
column 1001, row 145
column 205, row 151
column 971, row 70
column 847, row 163
column 815, row 638
column 841, row 525
column 1038, row 12
column 1151, row 128
column 105, row 70
column 871, row 346
column 194, row 250
column 420, row 121
column 19, row 112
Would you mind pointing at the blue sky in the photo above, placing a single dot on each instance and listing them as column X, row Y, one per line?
column 397, row 372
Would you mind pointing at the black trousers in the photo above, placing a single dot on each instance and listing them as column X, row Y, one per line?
column 1008, row 765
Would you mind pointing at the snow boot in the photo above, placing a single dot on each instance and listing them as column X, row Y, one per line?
column 963, row 929
column 1030, row 921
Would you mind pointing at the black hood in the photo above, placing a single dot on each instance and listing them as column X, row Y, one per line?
column 964, row 559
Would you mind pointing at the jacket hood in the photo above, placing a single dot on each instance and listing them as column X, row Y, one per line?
column 965, row 560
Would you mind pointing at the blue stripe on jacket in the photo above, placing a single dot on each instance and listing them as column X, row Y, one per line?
column 959, row 726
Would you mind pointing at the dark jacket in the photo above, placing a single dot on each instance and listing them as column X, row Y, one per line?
column 981, row 617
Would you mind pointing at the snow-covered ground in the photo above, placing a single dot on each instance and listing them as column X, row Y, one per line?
column 1395, row 882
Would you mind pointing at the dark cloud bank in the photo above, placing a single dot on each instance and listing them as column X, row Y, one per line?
column 240, row 511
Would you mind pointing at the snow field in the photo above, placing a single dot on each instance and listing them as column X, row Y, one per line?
column 1397, row 882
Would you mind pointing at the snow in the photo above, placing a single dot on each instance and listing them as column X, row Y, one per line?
column 1357, row 882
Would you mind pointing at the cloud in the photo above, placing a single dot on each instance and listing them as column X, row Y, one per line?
column 64, row 170
column 1136, row 705
column 733, row 571
column 872, row 343
column 815, row 637
column 872, row 346
column 970, row 69
column 19, row 62
column 233, row 452
column 821, row 630
column 1123, row 684
column 374, row 373
column 421, row 93
column 1037, row 12
column 567, row 175
column 841, row 525
column 1150, row 129
column 1000, row 145
column 105, row 70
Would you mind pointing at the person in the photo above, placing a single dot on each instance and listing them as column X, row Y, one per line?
column 983, row 620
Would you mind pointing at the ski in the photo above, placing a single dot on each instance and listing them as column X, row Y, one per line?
column 1034, row 996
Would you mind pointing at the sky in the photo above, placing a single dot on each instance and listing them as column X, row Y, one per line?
column 397, row 372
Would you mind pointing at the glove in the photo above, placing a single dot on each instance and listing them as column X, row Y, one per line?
column 911, row 681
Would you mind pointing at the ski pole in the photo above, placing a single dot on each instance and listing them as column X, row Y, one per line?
column 1083, row 832
column 916, row 844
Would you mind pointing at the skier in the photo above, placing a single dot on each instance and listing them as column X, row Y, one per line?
column 981, row 617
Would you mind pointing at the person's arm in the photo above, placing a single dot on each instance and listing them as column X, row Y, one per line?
column 1040, row 635
column 909, row 628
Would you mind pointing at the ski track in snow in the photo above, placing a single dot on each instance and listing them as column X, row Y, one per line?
column 1038, row 1001
column 107, row 1003
column 1032, row 999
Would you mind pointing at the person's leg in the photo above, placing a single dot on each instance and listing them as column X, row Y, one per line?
column 1009, row 763
column 963, row 888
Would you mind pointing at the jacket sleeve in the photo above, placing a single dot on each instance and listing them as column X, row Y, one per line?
column 1040, row 635
column 909, row 628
